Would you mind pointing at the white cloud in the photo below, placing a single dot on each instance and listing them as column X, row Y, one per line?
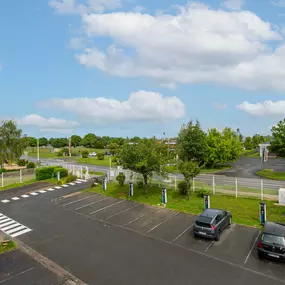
column 233, row 4
column 196, row 45
column 47, row 124
column 71, row 7
column 141, row 106
column 220, row 106
column 169, row 85
column 77, row 43
column 266, row 108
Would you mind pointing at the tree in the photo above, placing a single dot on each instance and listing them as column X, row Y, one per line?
column 189, row 170
column 11, row 143
column 240, row 136
column 58, row 142
column 32, row 143
column 89, row 140
column 43, row 142
column 113, row 148
column 256, row 140
column 223, row 147
column 248, row 143
column 146, row 157
column 75, row 140
column 192, row 143
column 277, row 145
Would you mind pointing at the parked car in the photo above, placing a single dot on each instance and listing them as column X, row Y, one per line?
column 271, row 242
column 92, row 154
column 211, row 223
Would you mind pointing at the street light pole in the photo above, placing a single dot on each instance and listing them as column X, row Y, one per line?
column 38, row 151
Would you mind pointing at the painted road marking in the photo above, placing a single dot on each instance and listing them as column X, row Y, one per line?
column 78, row 200
column 25, row 196
column 107, row 207
column 183, row 232
column 65, row 185
column 50, row 189
column 252, row 247
column 34, row 193
column 71, row 183
column 42, row 191
column 86, row 205
column 211, row 243
column 78, row 182
column 165, row 220
column 15, row 198
column 122, row 212
column 2, row 217
column 57, row 187
column 12, row 228
column 5, row 201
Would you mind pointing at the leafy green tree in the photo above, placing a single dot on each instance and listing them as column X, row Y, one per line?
column 248, row 143
column 58, row 142
column 113, row 148
column 89, row 140
column 240, row 136
column 192, row 143
column 277, row 145
column 43, row 141
column 256, row 140
column 146, row 157
column 32, row 142
column 11, row 143
column 189, row 170
column 75, row 140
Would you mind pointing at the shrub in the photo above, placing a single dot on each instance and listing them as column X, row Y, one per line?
column 70, row 178
column 74, row 153
column 101, row 155
column 44, row 173
column 22, row 162
column 182, row 187
column 85, row 154
column 140, row 184
column 65, row 150
column 203, row 191
column 59, row 183
column 59, row 153
column 31, row 164
column 63, row 172
column 121, row 179
column 114, row 159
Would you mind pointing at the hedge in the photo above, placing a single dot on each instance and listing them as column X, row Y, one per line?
column 48, row 172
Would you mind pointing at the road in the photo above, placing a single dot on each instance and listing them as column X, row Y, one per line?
column 102, row 240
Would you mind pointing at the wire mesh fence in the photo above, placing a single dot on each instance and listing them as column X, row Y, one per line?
column 15, row 177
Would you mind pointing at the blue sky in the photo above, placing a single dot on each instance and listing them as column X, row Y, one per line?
column 131, row 67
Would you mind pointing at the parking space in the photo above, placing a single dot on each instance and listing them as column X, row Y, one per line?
column 95, row 205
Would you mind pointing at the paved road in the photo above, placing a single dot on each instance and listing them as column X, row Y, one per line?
column 102, row 240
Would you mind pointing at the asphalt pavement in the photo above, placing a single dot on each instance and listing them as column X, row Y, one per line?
column 102, row 240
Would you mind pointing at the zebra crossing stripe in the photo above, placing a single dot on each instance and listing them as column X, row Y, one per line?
column 8, row 225
column 15, row 230
column 2, row 217
column 34, row 193
column 5, row 201
column 57, row 187
column 5, row 220
column 71, row 183
column 42, row 191
column 65, row 185
column 78, row 182
column 21, row 233
column 51, row 189
column 15, row 198
column 25, row 196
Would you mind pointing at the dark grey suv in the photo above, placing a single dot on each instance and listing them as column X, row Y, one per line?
column 211, row 223
column 271, row 242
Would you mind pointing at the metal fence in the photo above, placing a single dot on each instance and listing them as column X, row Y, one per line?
column 19, row 176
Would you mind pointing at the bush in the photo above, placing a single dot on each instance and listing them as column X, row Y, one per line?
column 31, row 164
column 74, row 153
column 22, row 162
column 65, row 150
column 70, row 178
column 114, row 159
column 121, row 179
column 182, row 187
column 44, row 173
column 59, row 183
column 203, row 191
column 101, row 155
column 84, row 154
column 63, row 172
column 59, row 153
column 140, row 184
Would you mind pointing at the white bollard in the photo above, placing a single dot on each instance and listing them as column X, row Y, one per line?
column 175, row 182
column 213, row 184
column 236, row 188
column 21, row 177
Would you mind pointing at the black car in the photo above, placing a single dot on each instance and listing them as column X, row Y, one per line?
column 211, row 223
column 271, row 242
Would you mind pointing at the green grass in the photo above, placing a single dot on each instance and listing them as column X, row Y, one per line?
column 10, row 246
column 173, row 169
column 30, row 182
column 95, row 161
column 245, row 211
column 271, row 174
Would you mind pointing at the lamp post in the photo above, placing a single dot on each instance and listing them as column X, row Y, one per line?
column 38, row 151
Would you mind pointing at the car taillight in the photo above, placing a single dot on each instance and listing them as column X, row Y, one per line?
column 259, row 244
column 213, row 227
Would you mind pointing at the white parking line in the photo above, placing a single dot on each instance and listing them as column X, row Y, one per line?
column 135, row 219
column 252, row 248
column 92, row 203
column 25, row 196
column 165, row 220
column 15, row 198
column 210, row 244
column 107, row 207
column 78, row 200
column 183, row 232
column 122, row 212
column 5, row 201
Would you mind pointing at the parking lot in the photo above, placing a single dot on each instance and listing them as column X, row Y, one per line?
column 237, row 245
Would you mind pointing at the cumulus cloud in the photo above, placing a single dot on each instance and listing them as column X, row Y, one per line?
column 141, row 106
column 233, row 4
column 196, row 45
column 71, row 6
column 266, row 108
column 47, row 124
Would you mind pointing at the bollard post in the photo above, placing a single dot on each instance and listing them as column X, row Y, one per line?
column 207, row 203
column 236, row 188
column 58, row 176
column 104, row 184
column 131, row 190
column 262, row 210
column 21, row 177
column 213, row 184
column 164, row 195
column 261, row 189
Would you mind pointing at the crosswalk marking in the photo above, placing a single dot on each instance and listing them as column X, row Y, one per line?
column 65, row 185
column 5, row 201
column 15, row 198
column 34, row 193
column 11, row 227
column 78, row 182
column 25, row 196
column 71, row 183
column 51, row 189
column 57, row 187
column 2, row 217
column 42, row 191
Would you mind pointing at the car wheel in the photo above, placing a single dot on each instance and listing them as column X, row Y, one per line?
column 217, row 238
column 230, row 221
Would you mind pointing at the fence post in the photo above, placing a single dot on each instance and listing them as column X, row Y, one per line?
column 175, row 182
column 193, row 182
column 21, row 177
column 213, row 184
column 236, row 188
column 81, row 172
column 73, row 170
column 2, row 179
column 261, row 188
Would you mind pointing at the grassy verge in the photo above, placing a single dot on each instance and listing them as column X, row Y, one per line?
column 25, row 183
column 95, row 161
column 271, row 174
column 245, row 211
column 10, row 246
column 173, row 169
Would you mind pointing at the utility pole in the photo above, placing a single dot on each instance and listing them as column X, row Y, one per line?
column 38, row 150
column 69, row 146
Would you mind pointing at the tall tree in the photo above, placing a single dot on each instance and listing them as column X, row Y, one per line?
column 43, row 142
column 192, row 143
column 257, row 139
column 32, row 142
column 277, row 144
column 11, row 143
column 248, row 143
column 89, row 140
column 189, row 170
column 146, row 157
column 75, row 140
column 113, row 148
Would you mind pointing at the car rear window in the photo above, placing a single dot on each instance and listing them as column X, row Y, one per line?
column 273, row 239
column 204, row 225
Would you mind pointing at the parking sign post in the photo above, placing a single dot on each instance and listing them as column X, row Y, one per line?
column 131, row 193
column 207, row 201
column 58, row 176
column 104, row 184
column 164, row 195
column 262, row 210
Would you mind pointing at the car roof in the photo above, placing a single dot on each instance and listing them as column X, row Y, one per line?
column 274, row 229
column 211, row 213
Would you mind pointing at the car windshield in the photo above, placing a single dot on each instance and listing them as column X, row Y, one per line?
column 273, row 239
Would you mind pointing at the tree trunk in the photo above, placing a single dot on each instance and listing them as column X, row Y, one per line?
column 188, row 190
column 145, row 183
